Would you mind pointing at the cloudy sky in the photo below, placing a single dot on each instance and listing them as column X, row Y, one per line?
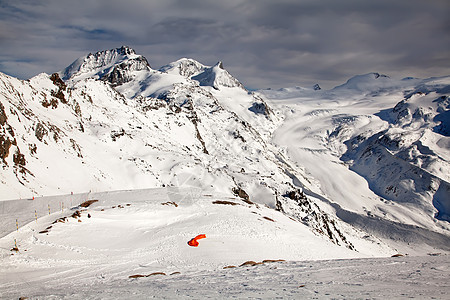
column 264, row 43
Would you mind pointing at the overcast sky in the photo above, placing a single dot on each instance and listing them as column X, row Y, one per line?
column 263, row 43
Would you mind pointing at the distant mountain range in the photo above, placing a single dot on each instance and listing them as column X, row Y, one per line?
column 371, row 155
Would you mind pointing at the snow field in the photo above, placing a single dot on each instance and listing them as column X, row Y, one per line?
column 146, row 231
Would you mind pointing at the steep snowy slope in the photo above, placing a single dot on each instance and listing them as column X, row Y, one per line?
column 155, row 129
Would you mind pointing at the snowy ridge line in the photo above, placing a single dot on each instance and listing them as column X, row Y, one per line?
column 23, row 210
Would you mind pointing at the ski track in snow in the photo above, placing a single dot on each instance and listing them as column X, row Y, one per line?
column 399, row 278
column 94, row 258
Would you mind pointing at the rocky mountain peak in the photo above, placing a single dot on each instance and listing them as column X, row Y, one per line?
column 106, row 64
column 220, row 65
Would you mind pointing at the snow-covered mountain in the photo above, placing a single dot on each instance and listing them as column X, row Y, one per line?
column 374, row 145
column 149, row 129
column 298, row 173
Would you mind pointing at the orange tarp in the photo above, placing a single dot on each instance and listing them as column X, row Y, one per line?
column 193, row 242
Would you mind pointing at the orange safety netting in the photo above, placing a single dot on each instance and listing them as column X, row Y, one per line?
column 193, row 242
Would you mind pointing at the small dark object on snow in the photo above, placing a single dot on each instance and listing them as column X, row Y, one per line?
column 250, row 263
column 156, row 273
column 225, row 202
column 397, row 255
column 88, row 203
column 76, row 214
column 229, row 267
column 89, row 215
column 272, row 260
column 152, row 274
column 137, row 276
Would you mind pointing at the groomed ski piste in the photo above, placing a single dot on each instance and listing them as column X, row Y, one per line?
column 133, row 244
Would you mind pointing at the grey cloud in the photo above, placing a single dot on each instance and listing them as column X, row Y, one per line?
column 263, row 43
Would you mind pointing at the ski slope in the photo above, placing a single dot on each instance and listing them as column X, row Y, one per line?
column 145, row 232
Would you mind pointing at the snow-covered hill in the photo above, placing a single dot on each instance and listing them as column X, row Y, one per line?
column 296, row 174
column 133, row 244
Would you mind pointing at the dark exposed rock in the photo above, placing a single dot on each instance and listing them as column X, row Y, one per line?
column 314, row 217
column 40, row 131
column 120, row 74
column 19, row 158
column 61, row 88
column 77, row 109
column 32, row 148
column 5, row 145
column 58, row 81
column 258, row 108
column 237, row 135
column 117, row 134
column 53, row 102
column 295, row 195
column 3, row 117
column 242, row 194
column 19, row 165
column 59, row 95
column 76, row 147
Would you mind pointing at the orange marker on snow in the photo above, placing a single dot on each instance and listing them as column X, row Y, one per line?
column 194, row 242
